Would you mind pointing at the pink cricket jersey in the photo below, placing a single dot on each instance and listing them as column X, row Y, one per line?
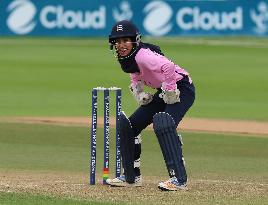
column 156, row 70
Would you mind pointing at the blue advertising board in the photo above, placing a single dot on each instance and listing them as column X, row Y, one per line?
column 154, row 18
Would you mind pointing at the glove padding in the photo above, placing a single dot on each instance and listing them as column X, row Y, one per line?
column 143, row 98
column 170, row 96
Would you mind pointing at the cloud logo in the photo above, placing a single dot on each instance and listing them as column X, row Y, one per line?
column 21, row 17
column 157, row 20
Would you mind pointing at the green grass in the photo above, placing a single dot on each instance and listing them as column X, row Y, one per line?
column 227, row 169
column 59, row 148
column 54, row 77
column 30, row 199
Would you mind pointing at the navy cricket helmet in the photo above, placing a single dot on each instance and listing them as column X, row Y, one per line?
column 123, row 29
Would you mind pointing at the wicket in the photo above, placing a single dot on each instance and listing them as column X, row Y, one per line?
column 93, row 158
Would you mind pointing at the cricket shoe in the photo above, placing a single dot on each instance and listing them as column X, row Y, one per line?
column 172, row 185
column 121, row 182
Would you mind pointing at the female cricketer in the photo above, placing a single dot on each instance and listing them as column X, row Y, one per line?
column 175, row 94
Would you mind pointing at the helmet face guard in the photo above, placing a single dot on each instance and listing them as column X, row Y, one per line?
column 125, row 29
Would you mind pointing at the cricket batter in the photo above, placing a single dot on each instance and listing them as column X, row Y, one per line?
column 175, row 94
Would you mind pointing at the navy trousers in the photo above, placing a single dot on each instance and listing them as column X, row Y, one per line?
column 143, row 116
